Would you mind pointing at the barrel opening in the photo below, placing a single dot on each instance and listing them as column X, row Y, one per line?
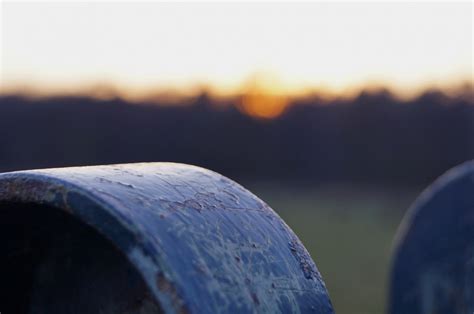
column 50, row 262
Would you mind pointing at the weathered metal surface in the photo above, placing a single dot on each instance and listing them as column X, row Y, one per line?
column 433, row 266
column 201, row 242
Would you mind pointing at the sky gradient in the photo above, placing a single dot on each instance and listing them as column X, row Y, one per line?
column 287, row 48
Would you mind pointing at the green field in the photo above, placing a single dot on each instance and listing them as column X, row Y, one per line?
column 349, row 233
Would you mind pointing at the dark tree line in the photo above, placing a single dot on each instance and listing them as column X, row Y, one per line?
column 372, row 138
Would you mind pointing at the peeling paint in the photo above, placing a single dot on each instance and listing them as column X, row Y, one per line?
column 202, row 243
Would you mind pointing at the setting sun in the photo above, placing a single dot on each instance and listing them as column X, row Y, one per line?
column 135, row 48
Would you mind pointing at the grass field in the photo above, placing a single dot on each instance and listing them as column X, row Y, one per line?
column 349, row 233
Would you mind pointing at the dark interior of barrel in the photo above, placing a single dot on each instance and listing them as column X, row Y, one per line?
column 52, row 263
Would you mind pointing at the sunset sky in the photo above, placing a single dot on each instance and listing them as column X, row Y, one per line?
column 287, row 48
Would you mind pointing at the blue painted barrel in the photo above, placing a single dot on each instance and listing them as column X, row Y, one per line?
column 148, row 238
column 433, row 265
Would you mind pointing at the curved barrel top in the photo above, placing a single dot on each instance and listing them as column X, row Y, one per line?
column 433, row 265
column 202, row 243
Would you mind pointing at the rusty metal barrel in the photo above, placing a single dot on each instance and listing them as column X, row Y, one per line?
column 433, row 265
column 147, row 238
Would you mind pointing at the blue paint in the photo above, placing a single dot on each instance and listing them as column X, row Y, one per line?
column 433, row 266
column 202, row 243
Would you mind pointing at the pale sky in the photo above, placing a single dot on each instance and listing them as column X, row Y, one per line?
column 138, row 46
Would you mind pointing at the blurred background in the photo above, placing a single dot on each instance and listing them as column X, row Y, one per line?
column 337, row 115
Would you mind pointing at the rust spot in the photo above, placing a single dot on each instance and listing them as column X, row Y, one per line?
column 303, row 258
column 167, row 287
column 193, row 204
